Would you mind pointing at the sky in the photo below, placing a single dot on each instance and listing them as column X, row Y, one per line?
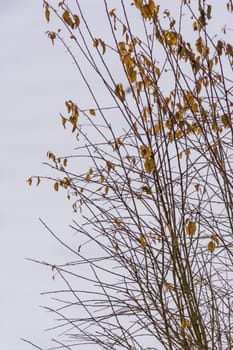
column 36, row 79
column 33, row 88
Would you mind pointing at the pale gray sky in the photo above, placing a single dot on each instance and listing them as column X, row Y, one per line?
column 33, row 89
column 36, row 79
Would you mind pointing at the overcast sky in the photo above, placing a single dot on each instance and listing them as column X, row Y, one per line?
column 36, row 79
column 33, row 88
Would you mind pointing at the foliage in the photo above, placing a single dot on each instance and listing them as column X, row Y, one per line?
column 151, row 178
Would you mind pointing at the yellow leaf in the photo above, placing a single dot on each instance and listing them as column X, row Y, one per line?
column 132, row 75
column 171, row 37
column 185, row 324
column 69, row 105
column 112, row 13
column 209, row 8
column 215, row 238
column 95, row 42
column 149, row 165
column 124, row 30
column 65, row 162
column 92, row 112
column 157, row 71
column 102, row 43
column 102, row 178
column 167, row 287
column 147, row 190
column 47, row 12
column 50, row 155
column 139, row 85
column 172, row 136
column 195, row 26
column 199, row 45
column 52, row 36
column 138, row 3
column 88, row 178
column 119, row 91
column 121, row 48
column 179, row 134
column 74, row 206
column 169, row 124
column 110, row 165
column 117, row 222
column 74, row 121
column 191, row 228
column 135, row 127
column 67, row 19
column 63, row 121
column 226, row 120
column 229, row 49
column 106, row 190
column 158, row 128
column 211, row 246
column 56, row 186
column 116, row 247
column 143, row 241
column 38, row 181
column 152, row 6
column 76, row 21
column 146, row 12
column 145, row 151
column 219, row 47
column 29, row 181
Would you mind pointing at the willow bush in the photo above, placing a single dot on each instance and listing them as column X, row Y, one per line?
column 151, row 181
